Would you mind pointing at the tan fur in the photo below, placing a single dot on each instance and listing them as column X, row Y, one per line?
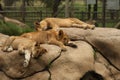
column 24, row 46
column 55, row 23
column 58, row 38
column 91, row 22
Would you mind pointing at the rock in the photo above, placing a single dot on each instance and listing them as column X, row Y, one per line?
column 12, row 63
column 109, row 48
column 71, row 65
column 98, row 51
column 105, row 40
column 103, row 67
column 39, row 76
column 15, row 21
column 4, row 77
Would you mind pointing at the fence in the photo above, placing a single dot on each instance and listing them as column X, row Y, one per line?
column 31, row 14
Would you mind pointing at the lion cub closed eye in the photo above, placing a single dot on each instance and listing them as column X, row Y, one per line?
column 24, row 46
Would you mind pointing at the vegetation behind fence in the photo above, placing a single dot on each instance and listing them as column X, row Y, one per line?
column 29, row 14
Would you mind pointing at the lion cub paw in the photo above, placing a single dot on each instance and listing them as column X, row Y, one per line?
column 7, row 49
column 64, row 49
column 10, row 49
column 91, row 27
column 26, row 63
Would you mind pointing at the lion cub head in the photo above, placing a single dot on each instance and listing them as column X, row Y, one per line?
column 38, row 51
column 63, row 37
column 43, row 25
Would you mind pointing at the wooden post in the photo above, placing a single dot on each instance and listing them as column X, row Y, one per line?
column 71, row 8
column 89, row 11
column 23, row 10
column 95, row 10
column 66, row 8
column 104, row 13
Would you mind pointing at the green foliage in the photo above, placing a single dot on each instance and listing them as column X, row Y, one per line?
column 8, row 2
column 12, row 29
column 48, row 3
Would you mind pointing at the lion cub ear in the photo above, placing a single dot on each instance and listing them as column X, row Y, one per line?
column 61, row 34
column 36, row 23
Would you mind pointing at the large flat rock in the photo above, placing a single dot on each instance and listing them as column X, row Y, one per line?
column 97, row 50
column 105, row 40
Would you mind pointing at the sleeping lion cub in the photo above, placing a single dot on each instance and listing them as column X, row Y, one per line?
column 24, row 46
column 55, row 23
column 58, row 38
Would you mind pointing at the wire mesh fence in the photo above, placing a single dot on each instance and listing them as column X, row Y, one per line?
column 37, row 11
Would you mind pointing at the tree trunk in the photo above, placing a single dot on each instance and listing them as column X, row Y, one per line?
column 8, row 2
column 55, row 7
column 71, row 8
column 66, row 8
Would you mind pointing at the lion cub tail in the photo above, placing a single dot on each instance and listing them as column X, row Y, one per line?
column 72, row 45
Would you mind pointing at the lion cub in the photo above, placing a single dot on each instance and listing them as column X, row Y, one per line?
column 55, row 23
column 24, row 46
column 58, row 38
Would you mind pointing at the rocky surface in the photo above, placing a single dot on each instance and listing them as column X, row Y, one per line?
column 97, row 50
column 105, row 40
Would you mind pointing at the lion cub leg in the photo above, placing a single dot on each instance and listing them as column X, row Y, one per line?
column 79, row 26
column 58, row 43
column 10, row 49
column 54, row 26
column 83, row 24
column 23, row 50
column 27, row 58
column 28, row 55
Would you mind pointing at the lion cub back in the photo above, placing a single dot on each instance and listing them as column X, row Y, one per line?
column 41, row 36
column 18, row 43
column 22, row 42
